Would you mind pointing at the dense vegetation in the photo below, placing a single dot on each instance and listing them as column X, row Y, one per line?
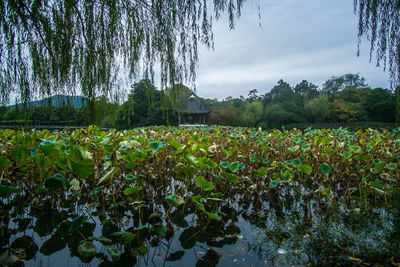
column 341, row 100
column 53, row 47
column 143, row 186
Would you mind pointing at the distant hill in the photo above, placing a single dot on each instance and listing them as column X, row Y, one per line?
column 58, row 101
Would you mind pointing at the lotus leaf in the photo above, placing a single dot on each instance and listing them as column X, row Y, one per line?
column 107, row 178
column 234, row 166
column 325, row 168
column 191, row 159
column 307, row 169
column 205, row 185
column 231, row 177
column 274, row 184
column 56, row 181
column 132, row 190
column 173, row 201
column 77, row 222
column 114, row 253
column 87, row 249
column 4, row 163
column 261, row 172
column 224, row 164
column 5, row 189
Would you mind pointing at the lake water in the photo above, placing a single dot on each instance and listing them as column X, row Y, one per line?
column 254, row 230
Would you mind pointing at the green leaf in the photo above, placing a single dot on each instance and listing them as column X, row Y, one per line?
column 81, row 168
column 231, row 177
column 261, row 172
column 104, row 240
column 224, row 164
column 355, row 149
column 4, row 163
column 132, row 190
column 142, row 250
column 213, row 216
column 253, row 158
column 307, row 169
column 190, row 159
column 205, row 185
column 377, row 185
column 296, row 162
column 173, row 201
column 77, row 222
column 346, row 154
column 116, row 205
column 49, row 148
column 293, row 148
column 127, row 239
column 114, row 253
column 155, row 146
column 274, row 184
column 130, row 177
column 87, row 249
column 97, row 189
column 159, row 230
column 176, row 145
column 325, row 168
column 234, row 166
column 231, row 151
column 120, row 233
column 5, row 189
column 107, row 178
column 56, row 181
column 326, row 191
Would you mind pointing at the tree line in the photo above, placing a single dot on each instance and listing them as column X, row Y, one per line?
column 342, row 99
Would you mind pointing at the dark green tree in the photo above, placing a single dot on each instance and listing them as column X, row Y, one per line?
column 280, row 93
column 306, row 90
column 143, row 107
column 379, row 105
column 335, row 84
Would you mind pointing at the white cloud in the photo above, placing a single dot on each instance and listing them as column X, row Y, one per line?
column 309, row 39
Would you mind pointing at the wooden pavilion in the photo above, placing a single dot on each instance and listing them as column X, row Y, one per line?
column 193, row 113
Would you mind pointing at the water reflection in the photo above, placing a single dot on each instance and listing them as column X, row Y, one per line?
column 274, row 229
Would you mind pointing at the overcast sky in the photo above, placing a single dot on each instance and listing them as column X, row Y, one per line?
column 298, row 40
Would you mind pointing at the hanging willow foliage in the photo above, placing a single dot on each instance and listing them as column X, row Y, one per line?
column 51, row 46
column 379, row 21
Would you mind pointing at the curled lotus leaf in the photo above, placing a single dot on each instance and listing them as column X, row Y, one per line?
column 107, row 178
column 87, row 249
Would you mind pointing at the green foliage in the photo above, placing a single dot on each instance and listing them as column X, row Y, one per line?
column 319, row 108
column 56, row 181
column 379, row 21
column 205, row 185
column 252, row 114
column 335, row 84
column 145, row 195
column 72, row 44
column 132, row 190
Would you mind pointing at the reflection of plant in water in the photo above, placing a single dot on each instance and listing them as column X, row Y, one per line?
column 122, row 196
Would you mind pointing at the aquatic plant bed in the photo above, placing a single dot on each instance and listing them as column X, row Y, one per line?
column 199, row 196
